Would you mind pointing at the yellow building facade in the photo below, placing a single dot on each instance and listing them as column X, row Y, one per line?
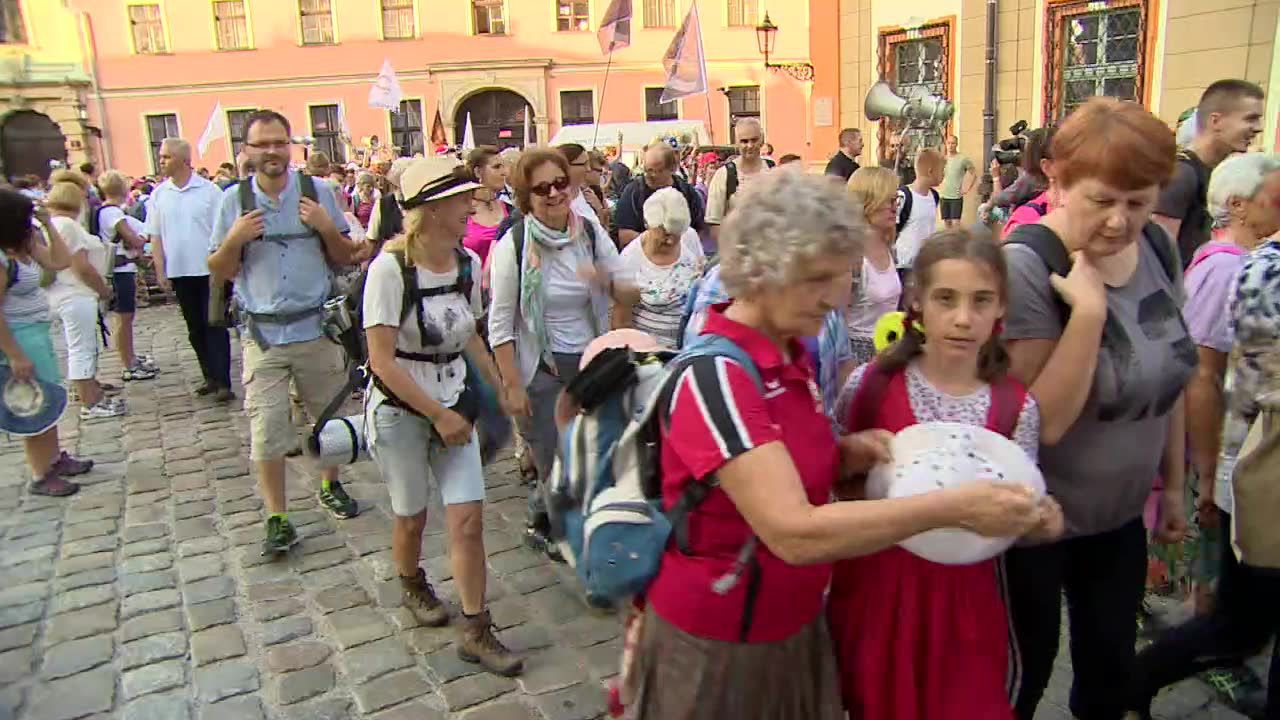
column 1051, row 55
column 45, row 88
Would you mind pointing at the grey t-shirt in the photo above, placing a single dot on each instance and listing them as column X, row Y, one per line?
column 1103, row 468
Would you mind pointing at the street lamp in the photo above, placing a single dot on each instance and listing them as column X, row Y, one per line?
column 766, row 35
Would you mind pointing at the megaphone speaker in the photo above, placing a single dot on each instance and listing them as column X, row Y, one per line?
column 883, row 102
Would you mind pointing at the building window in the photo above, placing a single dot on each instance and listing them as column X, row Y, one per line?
column 489, row 17
column 317, row 22
column 160, row 127
column 659, row 13
column 148, row 29
column 577, row 107
column 1094, row 51
column 743, row 13
column 397, row 19
column 236, row 128
column 573, row 15
column 232, row 25
column 406, row 128
column 744, row 102
column 326, row 128
column 655, row 109
column 916, row 61
column 12, row 29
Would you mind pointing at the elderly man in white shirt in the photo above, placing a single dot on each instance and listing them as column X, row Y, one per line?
column 180, row 224
column 737, row 173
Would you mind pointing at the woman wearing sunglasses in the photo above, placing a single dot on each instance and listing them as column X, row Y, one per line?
column 553, row 276
column 581, row 199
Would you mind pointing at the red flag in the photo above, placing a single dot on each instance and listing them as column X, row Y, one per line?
column 438, row 136
column 615, row 28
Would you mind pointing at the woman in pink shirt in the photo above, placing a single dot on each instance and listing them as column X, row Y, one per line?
column 491, row 172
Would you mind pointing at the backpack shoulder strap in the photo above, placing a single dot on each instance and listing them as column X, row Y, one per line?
column 934, row 193
column 591, row 234
column 868, row 397
column 409, row 276
column 517, row 238
column 1046, row 244
column 904, row 214
column 730, row 181
column 1007, row 398
column 248, row 203
column 1211, row 251
column 465, row 281
column 10, row 272
column 308, row 186
column 1163, row 245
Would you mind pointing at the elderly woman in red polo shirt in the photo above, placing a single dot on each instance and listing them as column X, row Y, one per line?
column 761, row 648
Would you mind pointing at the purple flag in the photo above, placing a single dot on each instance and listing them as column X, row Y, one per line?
column 684, row 61
column 615, row 28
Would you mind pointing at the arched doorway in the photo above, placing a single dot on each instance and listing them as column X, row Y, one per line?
column 497, row 118
column 28, row 141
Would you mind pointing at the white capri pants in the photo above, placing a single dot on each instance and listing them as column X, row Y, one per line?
column 79, row 316
column 411, row 461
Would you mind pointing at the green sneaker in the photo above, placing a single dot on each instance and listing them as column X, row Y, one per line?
column 280, row 536
column 338, row 502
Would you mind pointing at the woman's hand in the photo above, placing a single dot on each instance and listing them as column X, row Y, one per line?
column 996, row 509
column 1082, row 288
column 42, row 214
column 453, row 428
column 515, row 401
column 1052, row 523
column 1171, row 522
column 22, row 367
column 861, row 451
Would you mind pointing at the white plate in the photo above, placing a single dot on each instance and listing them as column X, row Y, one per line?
column 933, row 456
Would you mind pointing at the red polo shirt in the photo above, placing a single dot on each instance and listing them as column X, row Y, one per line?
column 717, row 413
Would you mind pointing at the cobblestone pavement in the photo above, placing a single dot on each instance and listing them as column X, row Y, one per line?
column 144, row 597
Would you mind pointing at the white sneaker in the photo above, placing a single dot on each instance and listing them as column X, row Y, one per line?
column 104, row 409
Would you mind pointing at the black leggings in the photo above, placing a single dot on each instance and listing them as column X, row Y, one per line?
column 1245, row 616
column 1103, row 576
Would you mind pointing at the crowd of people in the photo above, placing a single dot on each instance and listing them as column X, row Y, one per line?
column 1112, row 314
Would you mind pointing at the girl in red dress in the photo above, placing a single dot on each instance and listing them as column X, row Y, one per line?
column 918, row 640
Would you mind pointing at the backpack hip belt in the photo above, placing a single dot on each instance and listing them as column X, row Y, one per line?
column 436, row 358
column 251, row 320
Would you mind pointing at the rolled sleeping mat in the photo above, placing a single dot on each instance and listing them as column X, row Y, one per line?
column 340, row 442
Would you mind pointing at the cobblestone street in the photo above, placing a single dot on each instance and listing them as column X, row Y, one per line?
column 144, row 597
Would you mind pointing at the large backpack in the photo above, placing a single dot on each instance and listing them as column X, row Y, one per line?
column 908, row 198
column 605, row 493
column 1197, row 217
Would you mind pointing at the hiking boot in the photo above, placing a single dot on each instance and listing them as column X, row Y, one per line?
column 338, row 502
column 421, row 601
column 538, row 540
column 54, row 485
column 280, row 536
column 68, row 466
column 478, row 644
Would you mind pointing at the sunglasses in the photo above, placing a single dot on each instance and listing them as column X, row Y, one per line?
column 544, row 189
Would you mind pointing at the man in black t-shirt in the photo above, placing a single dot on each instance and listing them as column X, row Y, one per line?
column 843, row 164
column 1228, row 118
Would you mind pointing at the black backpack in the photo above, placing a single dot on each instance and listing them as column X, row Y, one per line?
column 1049, row 248
column 731, row 179
column 908, row 198
column 1197, row 217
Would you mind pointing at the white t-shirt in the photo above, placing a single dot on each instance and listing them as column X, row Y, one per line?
column 719, row 202
column 922, row 223
column 877, row 295
column 663, row 288
column 454, row 316
column 67, row 283
column 108, row 220
column 566, row 299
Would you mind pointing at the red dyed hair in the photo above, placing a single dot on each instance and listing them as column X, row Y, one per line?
column 1114, row 141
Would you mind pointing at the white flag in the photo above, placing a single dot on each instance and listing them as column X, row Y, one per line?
column 386, row 92
column 214, row 129
column 684, row 60
column 468, row 136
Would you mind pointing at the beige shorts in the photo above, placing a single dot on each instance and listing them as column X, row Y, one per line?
column 318, row 371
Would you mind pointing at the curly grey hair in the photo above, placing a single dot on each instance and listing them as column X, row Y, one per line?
column 782, row 222
column 1239, row 176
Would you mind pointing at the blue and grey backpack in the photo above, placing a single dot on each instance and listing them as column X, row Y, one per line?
column 605, row 494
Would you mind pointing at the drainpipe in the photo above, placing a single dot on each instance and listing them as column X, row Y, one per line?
column 989, row 99
column 89, row 49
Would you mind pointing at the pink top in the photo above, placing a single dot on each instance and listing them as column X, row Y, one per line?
column 480, row 238
column 1028, row 213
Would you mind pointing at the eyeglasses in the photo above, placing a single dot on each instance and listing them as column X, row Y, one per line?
column 270, row 144
column 544, row 189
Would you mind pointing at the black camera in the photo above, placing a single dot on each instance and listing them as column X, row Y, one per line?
column 1009, row 150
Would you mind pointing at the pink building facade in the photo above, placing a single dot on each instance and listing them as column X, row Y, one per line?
column 161, row 66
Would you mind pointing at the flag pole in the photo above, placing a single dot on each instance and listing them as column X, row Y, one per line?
column 600, row 106
column 711, row 123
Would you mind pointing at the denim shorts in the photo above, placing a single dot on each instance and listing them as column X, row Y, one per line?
column 412, row 461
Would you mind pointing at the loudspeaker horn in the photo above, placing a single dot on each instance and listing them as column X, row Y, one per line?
column 921, row 107
column 883, row 102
